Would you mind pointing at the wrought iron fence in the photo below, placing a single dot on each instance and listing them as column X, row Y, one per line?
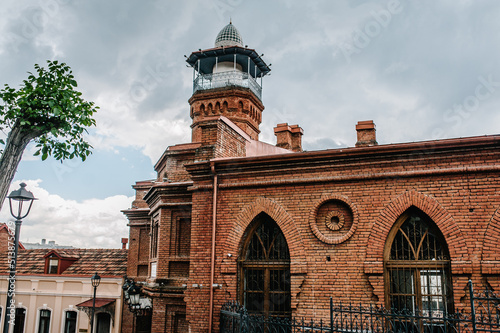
column 482, row 316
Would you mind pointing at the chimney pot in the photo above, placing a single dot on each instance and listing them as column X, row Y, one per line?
column 366, row 133
column 289, row 137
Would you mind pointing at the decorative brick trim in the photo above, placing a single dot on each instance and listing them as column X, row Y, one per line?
column 490, row 263
column 380, row 230
column 317, row 232
column 280, row 216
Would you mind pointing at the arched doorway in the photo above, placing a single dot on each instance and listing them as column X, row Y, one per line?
column 264, row 269
column 417, row 267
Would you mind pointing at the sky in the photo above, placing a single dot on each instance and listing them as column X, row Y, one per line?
column 421, row 70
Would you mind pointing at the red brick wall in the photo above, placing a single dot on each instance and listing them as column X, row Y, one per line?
column 138, row 254
column 459, row 190
column 243, row 108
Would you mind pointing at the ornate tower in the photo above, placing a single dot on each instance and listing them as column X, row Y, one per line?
column 225, row 83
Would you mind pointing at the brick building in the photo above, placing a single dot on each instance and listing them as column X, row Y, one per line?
column 281, row 230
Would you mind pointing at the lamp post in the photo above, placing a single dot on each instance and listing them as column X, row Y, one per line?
column 24, row 200
column 134, row 295
column 95, row 279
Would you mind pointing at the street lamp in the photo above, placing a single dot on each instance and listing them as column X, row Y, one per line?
column 24, row 200
column 125, row 288
column 95, row 279
column 134, row 295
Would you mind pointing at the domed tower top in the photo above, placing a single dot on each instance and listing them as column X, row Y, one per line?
column 225, row 83
column 229, row 36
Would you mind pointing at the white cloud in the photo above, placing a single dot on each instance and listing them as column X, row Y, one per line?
column 91, row 223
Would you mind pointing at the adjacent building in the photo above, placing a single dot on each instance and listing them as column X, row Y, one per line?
column 54, row 293
column 281, row 230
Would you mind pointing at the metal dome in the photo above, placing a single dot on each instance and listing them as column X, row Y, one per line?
column 229, row 36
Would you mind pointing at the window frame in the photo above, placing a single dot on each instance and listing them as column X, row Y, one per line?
column 65, row 320
column 267, row 266
column 418, row 266
column 43, row 320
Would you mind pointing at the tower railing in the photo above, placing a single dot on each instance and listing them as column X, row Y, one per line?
column 227, row 79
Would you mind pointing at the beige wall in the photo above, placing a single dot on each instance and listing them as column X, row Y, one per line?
column 60, row 294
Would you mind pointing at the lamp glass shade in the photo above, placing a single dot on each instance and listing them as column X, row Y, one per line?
column 96, row 280
column 21, row 196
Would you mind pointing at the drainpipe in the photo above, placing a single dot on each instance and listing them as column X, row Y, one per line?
column 212, row 262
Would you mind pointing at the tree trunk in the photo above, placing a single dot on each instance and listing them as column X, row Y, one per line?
column 17, row 140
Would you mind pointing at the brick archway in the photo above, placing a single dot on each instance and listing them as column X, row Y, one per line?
column 455, row 240
column 490, row 264
column 298, row 258
column 278, row 214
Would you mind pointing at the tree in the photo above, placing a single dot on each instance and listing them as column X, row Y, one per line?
column 48, row 110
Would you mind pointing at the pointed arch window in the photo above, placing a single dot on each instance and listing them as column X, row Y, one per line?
column 417, row 265
column 264, row 269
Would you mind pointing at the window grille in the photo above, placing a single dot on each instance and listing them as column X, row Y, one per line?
column 265, row 269
column 418, row 267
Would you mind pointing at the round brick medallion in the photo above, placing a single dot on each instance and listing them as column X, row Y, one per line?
column 333, row 219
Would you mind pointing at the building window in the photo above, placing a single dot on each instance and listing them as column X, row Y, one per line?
column 264, row 269
column 44, row 321
column 70, row 322
column 417, row 265
column 19, row 320
column 154, row 237
column 53, row 265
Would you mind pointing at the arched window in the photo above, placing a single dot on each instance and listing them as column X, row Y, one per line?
column 44, row 321
column 264, row 275
column 70, row 321
column 417, row 265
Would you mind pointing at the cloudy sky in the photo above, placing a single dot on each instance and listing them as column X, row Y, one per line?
column 420, row 69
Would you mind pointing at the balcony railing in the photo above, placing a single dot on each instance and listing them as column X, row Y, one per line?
column 227, row 79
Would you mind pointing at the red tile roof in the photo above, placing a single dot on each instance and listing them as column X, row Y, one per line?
column 106, row 262
column 99, row 302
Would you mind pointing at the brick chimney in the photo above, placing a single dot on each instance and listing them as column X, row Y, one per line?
column 124, row 243
column 366, row 134
column 289, row 137
column 297, row 133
